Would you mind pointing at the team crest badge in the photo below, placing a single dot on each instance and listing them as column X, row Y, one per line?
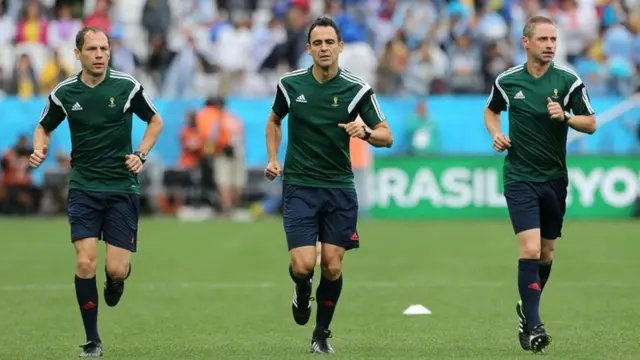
column 335, row 102
column 555, row 94
column 112, row 102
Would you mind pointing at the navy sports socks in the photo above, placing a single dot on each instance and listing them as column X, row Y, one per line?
column 302, row 283
column 530, row 290
column 327, row 296
column 544, row 272
column 87, row 294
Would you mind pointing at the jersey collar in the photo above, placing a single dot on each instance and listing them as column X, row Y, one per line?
column 526, row 70
column 310, row 71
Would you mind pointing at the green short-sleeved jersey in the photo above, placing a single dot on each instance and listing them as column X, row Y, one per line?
column 100, row 123
column 538, row 143
column 318, row 150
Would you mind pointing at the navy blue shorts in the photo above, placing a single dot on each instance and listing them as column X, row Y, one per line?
column 537, row 205
column 320, row 214
column 111, row 217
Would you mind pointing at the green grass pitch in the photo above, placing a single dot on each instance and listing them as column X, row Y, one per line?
column 220, row 290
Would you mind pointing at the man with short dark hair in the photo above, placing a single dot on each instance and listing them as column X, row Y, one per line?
column 543, row 99
column 319, row 199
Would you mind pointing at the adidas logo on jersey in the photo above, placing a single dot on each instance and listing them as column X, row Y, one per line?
column 301, row 99
column 76, row 107
column 519, row 95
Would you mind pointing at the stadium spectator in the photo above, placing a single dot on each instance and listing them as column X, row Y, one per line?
column 192, row 142
column 7, row 26
column 408, row 47
column 19, row 195
column 225, row 136
column 33, row 26
column 63, row 29
column 156, row 18
column 422, row 132
column 100, row 16
column 160, row 59
column 53, row 73
column 181, row 72
column 24, row 82
column 122, row 58
column 466, row 66
column 234, row 50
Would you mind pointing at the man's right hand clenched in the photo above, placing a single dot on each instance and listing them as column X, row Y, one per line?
column 37, row 157
column 501, row 142
column 273, row 170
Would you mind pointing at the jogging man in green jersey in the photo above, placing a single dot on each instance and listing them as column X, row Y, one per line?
column 320, row 201
column 543, row 99
column 103, row 194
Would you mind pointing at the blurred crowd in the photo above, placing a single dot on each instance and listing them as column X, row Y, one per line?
column 189, row 48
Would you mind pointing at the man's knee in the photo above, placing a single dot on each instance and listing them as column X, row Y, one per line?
column 331, row 268
column 529, row 244
column 331, row 261
column 303, row 260
column 118, row 271
column 86, row 257
column 86, row 265
column 118, row 261
column 547, row 250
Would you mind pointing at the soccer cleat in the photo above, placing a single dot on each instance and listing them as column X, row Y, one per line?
column 301, row 305
column 539, row 339
column 320, row 343
column 91, row 349
column 113, row 292
column 523, row 327
column 113, row 289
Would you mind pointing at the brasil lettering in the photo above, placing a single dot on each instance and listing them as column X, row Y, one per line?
column 472, row 187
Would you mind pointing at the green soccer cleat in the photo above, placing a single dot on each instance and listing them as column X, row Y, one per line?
column 91, row 349
column 523, row 328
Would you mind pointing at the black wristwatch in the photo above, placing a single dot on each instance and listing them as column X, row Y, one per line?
column 567, row 116
column 141, row 155
column 367, row 133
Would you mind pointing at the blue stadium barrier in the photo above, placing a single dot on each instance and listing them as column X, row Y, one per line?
column 458, row 119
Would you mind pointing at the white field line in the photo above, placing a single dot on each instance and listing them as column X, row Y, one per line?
column 267, row 285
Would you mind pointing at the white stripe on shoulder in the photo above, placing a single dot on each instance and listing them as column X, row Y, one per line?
column 346, row 75
column 67, row 81
column 566, row 69
column 577, row 82
column 294, row 73
column 125, row 77
column 355, row 78
column 283, row 90
column 511, row 70
column 507, row 72
column 120, row 73
column 376, row 106
column 54, row 97
column 45, row 111
column 136, row 88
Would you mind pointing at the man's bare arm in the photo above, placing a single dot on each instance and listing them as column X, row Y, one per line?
column 381, row 135
column 151, row 134
column 274, row 135
column 41, row 138
column 583, row 123
column 492, row 122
